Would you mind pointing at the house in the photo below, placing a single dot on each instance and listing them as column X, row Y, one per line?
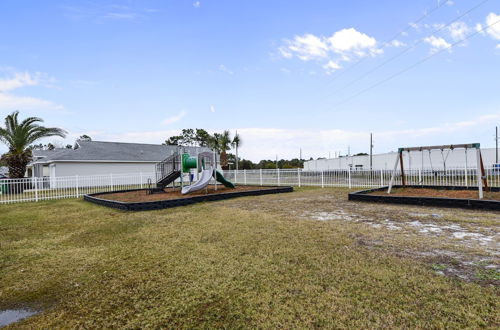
column 102, row 158
column 4, row 171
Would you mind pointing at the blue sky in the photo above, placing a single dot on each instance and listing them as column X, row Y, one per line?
column 314, row 75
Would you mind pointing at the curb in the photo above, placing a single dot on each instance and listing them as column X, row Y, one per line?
column 165, row 204
column 477, row 204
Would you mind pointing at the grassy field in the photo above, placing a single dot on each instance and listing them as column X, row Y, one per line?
column 300, row 260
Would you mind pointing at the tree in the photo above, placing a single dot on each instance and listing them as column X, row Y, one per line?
column 85, row 137
column 190, row 137
column 202, row 137
column 236, row 143
column 3, row 162
column 224, row 144
column 173, row 140
column 19, row 136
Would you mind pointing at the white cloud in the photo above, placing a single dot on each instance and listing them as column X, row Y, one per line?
column 494, row 30
column 342, row 46
column 316, row 142
column 347, row 40
column 331, row 66
column 196, row 4
column 174, row 119
column 223, row 68
column 20, row 79
column 479, row 28
column 17, row 80
column 458, row 30
column 14, row 102
column 212, row 109
column 306, row 47
column 437, row 43
column 397, row 43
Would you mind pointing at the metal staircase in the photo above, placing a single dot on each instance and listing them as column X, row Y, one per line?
column 167, row 171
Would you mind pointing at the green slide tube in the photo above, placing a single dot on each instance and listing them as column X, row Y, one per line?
column 220, row 178
column 188, row 162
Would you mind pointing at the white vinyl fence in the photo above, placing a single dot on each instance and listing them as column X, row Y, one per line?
column 361, row 178
column 38, row 189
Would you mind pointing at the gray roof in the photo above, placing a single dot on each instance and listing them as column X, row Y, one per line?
column 113, row 151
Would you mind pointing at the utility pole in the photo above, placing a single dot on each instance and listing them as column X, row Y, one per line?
column 276, row 161
column 496, row 145
column 300, row 154
column 371, row 151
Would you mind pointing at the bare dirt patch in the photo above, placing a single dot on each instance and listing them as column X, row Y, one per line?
column 173, row 193
column 425, row 192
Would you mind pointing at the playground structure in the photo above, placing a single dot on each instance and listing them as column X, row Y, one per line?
column 179, row 164
column 435, row 195
column 482, row 181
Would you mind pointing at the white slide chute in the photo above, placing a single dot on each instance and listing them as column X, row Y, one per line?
column 206, row 176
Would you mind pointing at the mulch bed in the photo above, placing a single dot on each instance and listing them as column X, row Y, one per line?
column 143, row 196
column 426, row 192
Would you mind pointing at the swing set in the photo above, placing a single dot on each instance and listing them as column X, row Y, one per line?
column 482, row 181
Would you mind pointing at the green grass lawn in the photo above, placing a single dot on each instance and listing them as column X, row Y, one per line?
column 217, row 265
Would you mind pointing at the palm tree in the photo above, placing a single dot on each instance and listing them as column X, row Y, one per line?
column 236, row 143
column 19, row 136
column 224, row 144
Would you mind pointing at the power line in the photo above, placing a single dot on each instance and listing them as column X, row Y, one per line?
column 418, row 42
column 425, row 59
column 387, row 41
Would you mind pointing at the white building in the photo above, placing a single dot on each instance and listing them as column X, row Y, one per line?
column 97, row 157
column 436, row 159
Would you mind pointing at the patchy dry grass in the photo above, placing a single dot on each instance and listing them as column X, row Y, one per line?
column 249, row 262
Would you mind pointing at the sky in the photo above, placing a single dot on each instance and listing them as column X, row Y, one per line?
column 316, row 76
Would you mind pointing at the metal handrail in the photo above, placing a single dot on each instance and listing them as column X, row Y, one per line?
column 167, row 166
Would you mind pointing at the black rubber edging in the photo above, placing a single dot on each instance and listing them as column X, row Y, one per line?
column 165, row 204
column 477, row 204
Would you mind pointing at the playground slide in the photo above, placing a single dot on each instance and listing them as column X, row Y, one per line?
column 220, row 178
column 206, row 176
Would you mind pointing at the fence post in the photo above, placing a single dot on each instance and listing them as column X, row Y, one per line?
column 260, row 171
column 420, row 176
column 322, row 179
column 381, row 178
column 278, row 176
column 349, row 173
column 36, row 189
column 298, row 175
column 466, row 177
column 77, row 188
column 245, row 176
column 140, row 179
column 111, row 179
